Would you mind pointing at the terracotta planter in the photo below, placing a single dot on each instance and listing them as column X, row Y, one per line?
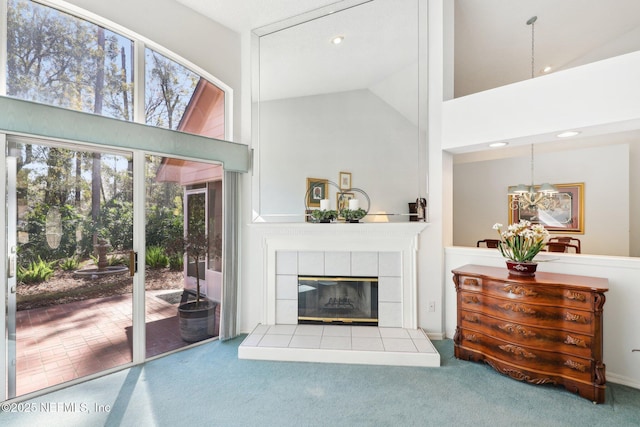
column 522, row 268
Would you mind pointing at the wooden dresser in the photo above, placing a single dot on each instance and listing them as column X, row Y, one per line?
column 545, row 329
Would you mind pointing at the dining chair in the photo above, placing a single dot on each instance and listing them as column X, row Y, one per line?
column 488, row 243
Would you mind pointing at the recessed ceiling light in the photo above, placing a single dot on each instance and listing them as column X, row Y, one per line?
column 498, row 144
column 337, row 40
column 546, row 69
column 567, row 134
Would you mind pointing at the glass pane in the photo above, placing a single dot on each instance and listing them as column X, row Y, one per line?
column 74, row 294
column 58, row 59
column 178, row 238
column 178, row 99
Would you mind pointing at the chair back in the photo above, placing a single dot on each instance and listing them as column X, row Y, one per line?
column 562, row 247
column 568, row 240
column 488, row 243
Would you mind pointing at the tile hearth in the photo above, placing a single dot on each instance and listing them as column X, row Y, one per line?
column 340, row 344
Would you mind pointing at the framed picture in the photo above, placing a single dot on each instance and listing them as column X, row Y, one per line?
column 565, row 213
column 345, row 180
column 316, row 191
column 342, row 201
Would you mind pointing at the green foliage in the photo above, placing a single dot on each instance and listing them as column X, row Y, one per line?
column 36, row 272
column 176, row 262
column 164, row 223
column 115, row 224
column 35, row 225
column 116, row 260
column 156, row 257
column 319, row 215
column 353, row 215
column 70, row 264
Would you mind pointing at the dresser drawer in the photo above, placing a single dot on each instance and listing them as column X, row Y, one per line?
column 549, row 339
column 534, row 293
column 530, row 314
column 536, row 359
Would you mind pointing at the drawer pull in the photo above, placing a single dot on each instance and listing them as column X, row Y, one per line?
column 575, row 296
column 512, row 328
column 577, row 318
column 470, row 300
column 575, row 341
column 517, row 308
column 471, row 282
column 470, row 337
column 575, row 365
column 518, row 351
column 520, row 290
column 470, row 318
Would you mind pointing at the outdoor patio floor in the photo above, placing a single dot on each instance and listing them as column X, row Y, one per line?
column 67, row 341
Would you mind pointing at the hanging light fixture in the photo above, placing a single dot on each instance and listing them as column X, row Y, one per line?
column 528, row 196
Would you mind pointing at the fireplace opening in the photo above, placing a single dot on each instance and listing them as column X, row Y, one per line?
column 341, row 300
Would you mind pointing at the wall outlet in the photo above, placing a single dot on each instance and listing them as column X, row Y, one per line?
column 432, row 307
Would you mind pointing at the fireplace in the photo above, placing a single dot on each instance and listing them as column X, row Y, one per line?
column 338, row 300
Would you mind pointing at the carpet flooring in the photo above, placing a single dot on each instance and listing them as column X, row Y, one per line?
column 209, row 386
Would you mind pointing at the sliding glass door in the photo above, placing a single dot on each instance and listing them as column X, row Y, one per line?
column 184, row 252
column 79, row 300
column 69, row 235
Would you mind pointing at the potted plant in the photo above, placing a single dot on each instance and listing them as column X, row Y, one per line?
column 325, row 216
column 353, row 215
column 519, row 244
column 196, row 318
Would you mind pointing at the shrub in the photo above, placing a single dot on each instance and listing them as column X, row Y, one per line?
column 176, row 262
column 156, row 257
column 70, row 264
column 36, row 272
column 116, row 260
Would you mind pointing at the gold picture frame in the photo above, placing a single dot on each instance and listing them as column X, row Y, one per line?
column 344, row 181
column 566, row 214
column 316, row 191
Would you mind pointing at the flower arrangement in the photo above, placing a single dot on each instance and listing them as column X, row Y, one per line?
column 521, row 242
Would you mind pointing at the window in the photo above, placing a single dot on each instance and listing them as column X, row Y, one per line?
column 178, row 99
column 57, row 59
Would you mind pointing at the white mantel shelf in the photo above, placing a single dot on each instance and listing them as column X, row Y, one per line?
column 359, row 236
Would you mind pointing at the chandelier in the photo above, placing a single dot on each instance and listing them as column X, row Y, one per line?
column 528, row 197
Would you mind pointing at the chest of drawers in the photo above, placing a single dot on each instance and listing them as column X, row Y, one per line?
column 545, row 329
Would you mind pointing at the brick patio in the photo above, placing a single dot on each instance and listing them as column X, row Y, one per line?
column 58, row 344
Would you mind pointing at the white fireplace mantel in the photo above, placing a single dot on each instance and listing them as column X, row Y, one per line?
column 342, row 237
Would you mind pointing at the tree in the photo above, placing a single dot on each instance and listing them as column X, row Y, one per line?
column 168, row 91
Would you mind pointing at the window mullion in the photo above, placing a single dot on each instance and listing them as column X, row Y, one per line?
column 139, row 81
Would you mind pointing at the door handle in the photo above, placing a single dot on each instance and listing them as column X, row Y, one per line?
column 133, row 263
column 12, row 266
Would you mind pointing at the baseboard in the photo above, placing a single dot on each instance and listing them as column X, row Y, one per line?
column 437, row 336
column 619, row 379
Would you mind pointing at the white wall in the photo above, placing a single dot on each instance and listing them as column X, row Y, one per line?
column 480, row 194
column 319, row 136
column 600, row 97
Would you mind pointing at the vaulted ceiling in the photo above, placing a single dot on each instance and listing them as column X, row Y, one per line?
column 491, row 38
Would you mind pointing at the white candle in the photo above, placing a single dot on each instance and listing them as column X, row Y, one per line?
column 324, row 204
column 353, row 204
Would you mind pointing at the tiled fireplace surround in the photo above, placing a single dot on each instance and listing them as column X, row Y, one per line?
column 386, row 251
